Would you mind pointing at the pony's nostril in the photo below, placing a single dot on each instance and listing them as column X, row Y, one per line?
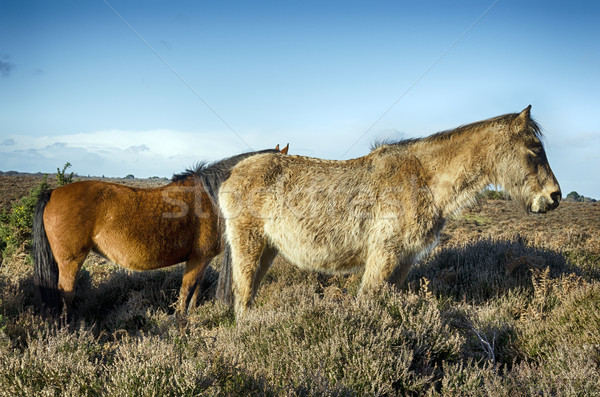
column 555, row 196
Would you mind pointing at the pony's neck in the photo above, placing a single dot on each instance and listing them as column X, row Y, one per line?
column 456, row 168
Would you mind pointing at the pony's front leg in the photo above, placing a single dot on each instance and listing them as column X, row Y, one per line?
column 382, row 267
column 195, row 268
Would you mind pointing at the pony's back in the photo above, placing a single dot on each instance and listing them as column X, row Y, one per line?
column 212, row 175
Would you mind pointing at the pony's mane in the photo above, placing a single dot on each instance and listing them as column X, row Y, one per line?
column 190, row 172
column 533, row 129
column 213, row 174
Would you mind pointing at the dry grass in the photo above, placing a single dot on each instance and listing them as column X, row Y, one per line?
column 507, row 305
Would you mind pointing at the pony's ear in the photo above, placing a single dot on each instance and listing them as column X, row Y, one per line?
column 522, row 119
column 525, row 114
column 285, row 149
column 277, row 147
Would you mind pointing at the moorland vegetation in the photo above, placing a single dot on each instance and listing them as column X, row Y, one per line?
column 508, row 304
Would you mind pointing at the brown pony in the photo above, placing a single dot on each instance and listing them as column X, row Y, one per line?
column 379, row 212
column 140, row 229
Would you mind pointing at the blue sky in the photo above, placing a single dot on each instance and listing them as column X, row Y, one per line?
column 150, row 87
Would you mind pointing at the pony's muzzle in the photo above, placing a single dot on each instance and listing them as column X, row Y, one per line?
column 543, row 203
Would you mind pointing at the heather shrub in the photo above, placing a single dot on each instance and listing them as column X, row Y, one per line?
column 563, row 314
column 565, row 372
column 486, row 269
column 385, row 344
column 54, row 361
column 507, row 316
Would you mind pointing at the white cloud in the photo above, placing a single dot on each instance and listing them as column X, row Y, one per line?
column 116, row 153
column 6, row 67
column 8, row 142
column 154, row 152
column 138, row 149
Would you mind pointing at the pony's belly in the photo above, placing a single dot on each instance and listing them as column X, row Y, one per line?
column 326, row 255
column 322, row 262
column 138, row 255
column 140, row 262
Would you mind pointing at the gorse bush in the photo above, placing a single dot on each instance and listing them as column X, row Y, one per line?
column 16, row 224
column 62, row 177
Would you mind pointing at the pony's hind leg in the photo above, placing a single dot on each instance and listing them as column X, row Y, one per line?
column 266, row 260
column 195, row 268
column 70, row 239
column 68, row 269
column 246, row 253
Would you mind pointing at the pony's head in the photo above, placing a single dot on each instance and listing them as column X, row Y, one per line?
column 523, row 168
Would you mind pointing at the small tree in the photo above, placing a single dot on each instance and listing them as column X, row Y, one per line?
column 61, row 176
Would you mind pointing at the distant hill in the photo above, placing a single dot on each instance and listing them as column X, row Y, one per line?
column 77, row 176
column 16, row 173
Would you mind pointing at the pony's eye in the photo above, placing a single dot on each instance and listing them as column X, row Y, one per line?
column 536, row 150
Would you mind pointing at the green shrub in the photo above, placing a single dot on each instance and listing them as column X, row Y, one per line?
column 489, row 194
column 16, row 224
column 61, row 177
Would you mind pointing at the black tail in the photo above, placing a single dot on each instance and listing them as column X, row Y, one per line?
column 224, row 291
column 45, row 268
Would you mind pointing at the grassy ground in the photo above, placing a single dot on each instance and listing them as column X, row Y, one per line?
column 508, row 304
